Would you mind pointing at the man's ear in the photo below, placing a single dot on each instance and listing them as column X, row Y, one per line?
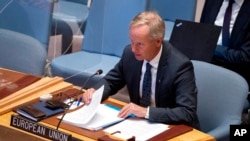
column 159, row 41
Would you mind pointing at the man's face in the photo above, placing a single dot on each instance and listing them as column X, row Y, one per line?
column 142, row 46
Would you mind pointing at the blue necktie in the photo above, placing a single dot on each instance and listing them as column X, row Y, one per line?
column 226, row 23
column 146, row 87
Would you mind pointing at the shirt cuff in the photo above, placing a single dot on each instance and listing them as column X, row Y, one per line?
column 147, row 113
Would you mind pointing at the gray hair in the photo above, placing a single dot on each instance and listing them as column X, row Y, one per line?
column 151, row 19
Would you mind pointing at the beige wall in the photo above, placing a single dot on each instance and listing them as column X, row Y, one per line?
column 199, row 9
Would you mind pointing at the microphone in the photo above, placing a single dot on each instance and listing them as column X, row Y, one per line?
column 98, row 72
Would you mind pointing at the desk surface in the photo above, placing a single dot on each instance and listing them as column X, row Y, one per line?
column 59, row 85
column 189, row 136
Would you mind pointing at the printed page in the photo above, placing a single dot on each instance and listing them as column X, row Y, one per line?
column 140, row 128
column 104, row 117
column 85, row 113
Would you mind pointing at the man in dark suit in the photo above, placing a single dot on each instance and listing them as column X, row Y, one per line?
column 235, row 55
column 173, row 92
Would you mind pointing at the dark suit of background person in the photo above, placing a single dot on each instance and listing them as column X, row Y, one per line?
column 235, row 56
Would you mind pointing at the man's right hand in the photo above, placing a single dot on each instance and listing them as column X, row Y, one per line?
column 87, row 96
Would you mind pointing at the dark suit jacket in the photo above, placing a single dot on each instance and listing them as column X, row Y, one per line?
column 237, row 55
column 176, row 92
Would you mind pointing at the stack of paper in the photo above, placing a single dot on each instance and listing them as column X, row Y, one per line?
column 141, row 129
column 94, row 116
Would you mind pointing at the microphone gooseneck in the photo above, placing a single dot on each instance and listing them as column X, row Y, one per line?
column 64, row 113
column 98, row 72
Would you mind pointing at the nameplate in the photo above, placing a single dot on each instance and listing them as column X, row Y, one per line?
column 38, row 129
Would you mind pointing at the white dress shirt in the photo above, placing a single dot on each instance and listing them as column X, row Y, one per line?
column 154, row 63
column 220, row 17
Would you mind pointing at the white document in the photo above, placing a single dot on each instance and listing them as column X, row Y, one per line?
column 140, row 128
column 94, row 116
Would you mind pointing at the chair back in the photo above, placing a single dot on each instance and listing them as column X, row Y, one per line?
column 170, row 10
column 30, row 17
column 85, row 2
column 106, row 34
column 107, row 28
column 22, row 53
column 221, row 97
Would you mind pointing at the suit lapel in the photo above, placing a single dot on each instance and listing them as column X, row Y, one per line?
column 162, row 67
column 214, row 12
column 136, row 83
column 242, row 20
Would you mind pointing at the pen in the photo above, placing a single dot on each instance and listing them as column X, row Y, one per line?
column 79, row 101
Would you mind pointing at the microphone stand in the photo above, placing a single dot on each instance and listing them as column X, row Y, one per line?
column 65, row 112
column 98, row 72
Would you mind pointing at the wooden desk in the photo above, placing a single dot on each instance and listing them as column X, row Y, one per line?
column 194, row 135
column 189, row 136
column 17, row 88
column 33, row 91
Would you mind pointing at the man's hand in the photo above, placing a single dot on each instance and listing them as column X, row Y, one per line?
column 87, row 96
column 132, row 108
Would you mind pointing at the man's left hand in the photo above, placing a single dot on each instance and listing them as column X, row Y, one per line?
column 132, row 108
